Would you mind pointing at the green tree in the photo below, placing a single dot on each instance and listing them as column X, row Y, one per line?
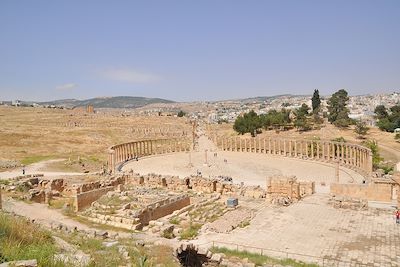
column 381, row 112
column 316, row 101
column 275, row 119
column 376, row 157
column 388, row 120
column 181, row 113
column 337, row 108
column 361, row 129
column 248, row 123
column 301, row 122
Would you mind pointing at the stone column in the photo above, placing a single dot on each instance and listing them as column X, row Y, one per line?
column 265, row 145
column 250, row 144
column 342, row 153
column 312, row 149
column 269, row 146
column 301, row 149
column 307, row 154
column 245, row 145
column 329, row 151
column 370, row 165
column 274, row 147
column 295, row 149
column 231, row 148
column 118, row 158
column 317, row 143
column 352, row 156
column 235, row 144
column 117, row 154
column 284, row 147
column 290, row 148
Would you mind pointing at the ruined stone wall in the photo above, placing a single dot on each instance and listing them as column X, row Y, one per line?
column 278, row 186
column 353, row 156
column 373, row 191
column 75, row 189
column 281, row 186
column 163, row 208
column 85, row 199
column 54, row 184
column 124, row 152
column 307, row 188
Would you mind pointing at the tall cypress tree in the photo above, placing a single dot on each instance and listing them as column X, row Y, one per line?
column 316, row 101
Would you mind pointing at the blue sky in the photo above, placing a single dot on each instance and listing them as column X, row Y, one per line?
column 197, row 50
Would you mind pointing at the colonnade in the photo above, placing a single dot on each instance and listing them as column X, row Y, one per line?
column 352, row 156
column 123, row 152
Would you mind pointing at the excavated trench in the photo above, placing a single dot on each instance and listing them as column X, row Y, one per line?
column 190, row 257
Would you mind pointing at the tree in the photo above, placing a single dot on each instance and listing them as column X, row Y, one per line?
column 301, row 121
column 248, row 123
column 381, row 112
column 316, row 101
column 275, row 119
column 361, row 129
column 181, row 113
column 337, row 108
column 388, row 120
column 376, row 157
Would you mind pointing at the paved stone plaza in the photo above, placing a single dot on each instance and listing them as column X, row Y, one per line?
column 313, row 227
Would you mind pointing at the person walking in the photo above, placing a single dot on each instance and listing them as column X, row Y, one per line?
column 23, row 170
column 397, row 214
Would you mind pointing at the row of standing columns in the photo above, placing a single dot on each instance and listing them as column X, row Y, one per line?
column 351, row 155
column 127, row 151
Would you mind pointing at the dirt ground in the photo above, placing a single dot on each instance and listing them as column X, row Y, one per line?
column 30, row 135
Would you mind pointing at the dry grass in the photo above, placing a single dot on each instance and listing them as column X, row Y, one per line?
column 33, row 134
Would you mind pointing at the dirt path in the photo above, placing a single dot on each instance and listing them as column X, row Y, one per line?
column 41, row 213
column 36, row 168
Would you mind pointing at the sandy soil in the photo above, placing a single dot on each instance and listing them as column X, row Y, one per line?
column 37, row 168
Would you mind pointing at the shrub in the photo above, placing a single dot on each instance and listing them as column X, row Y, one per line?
column 21, row 240
column 191, row 232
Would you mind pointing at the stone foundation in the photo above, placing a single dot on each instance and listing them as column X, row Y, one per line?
column 279, row 187
column 377, row 190
column 85, row 199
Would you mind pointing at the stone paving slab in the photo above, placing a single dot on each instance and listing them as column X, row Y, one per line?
column 313, row 227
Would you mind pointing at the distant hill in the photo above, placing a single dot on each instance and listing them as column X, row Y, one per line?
column 267, row 98
column 108, row 102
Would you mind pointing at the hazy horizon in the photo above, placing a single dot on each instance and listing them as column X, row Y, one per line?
column 197, row 51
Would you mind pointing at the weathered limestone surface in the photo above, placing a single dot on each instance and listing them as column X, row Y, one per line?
column 376, row 190
column 288, row 188
column 85, row 199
